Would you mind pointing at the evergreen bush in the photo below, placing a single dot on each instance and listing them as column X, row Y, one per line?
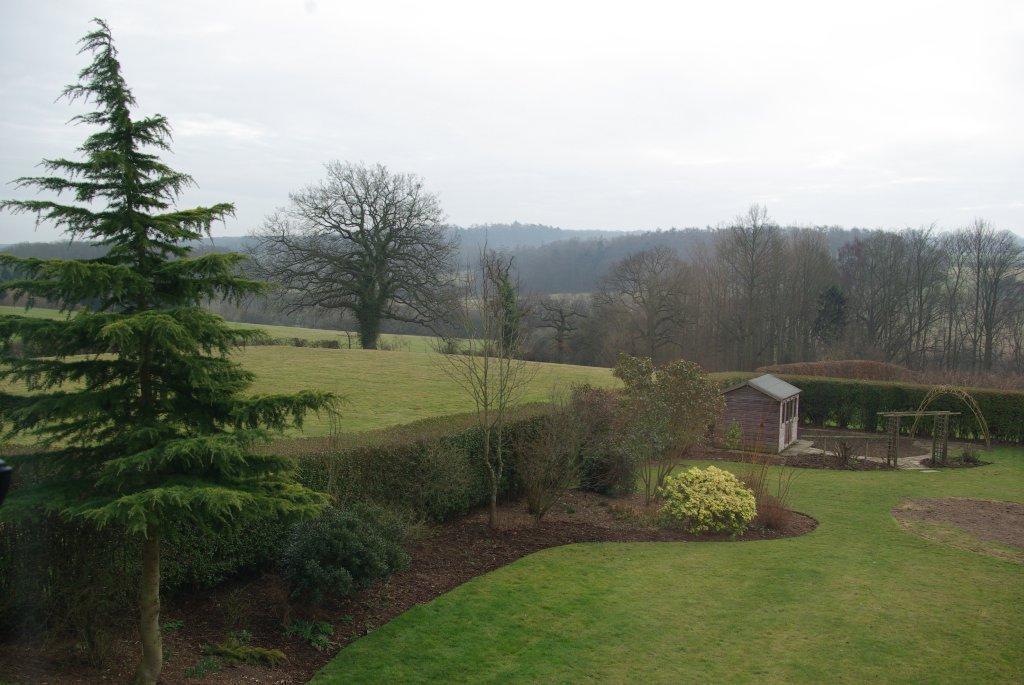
column 340, row 551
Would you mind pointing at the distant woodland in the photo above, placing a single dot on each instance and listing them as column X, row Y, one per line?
column 739, row 296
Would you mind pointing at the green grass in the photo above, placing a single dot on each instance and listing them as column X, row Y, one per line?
column 379, row 388
column 383, row 389
column 858, row 600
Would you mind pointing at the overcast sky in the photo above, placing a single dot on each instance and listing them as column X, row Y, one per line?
column 582, row 115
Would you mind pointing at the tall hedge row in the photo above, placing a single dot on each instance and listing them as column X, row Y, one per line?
column 849, row 403
column 58, row 576
column 433, row 469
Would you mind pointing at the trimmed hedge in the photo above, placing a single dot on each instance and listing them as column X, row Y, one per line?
column 849, row 403
column 432, row 469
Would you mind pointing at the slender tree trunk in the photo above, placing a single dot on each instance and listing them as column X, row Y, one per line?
column 492, row 508
column 148, row 670
column 492, row 511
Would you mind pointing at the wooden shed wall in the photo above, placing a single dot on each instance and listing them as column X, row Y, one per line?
column 756, row 413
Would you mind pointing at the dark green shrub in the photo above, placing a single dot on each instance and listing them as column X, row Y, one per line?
column 316, row 634
column 198, row 559
column 341, row 551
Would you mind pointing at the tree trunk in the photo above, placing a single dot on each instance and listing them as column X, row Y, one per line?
column 492, row 512
column 492, row 509
column 148, row 670
column 368, row 320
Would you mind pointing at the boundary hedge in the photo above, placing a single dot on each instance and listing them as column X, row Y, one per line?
column 432, row 469
column 57, row 576
column 849, row 403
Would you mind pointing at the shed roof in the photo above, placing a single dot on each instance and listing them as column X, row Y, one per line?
column 770, row 385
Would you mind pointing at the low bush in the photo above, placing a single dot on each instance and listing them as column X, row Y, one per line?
column 205, row 666
column 604, row 467
column 342, row 550
column 771, row 494
column 316, row 634
column 236, row 649
column 733, row 437
column 707, row 500
column 969, row 456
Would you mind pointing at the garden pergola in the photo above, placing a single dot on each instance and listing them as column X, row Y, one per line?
column 940, row 433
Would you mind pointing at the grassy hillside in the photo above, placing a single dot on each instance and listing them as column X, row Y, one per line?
column 382, row 388
column 388, row 388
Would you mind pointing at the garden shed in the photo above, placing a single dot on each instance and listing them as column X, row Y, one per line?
column 766, row 409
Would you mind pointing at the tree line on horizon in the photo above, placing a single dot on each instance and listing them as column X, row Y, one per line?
column 749, row 294
column 756, row 294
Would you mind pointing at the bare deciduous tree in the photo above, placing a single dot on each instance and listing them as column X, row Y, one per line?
column 750, row 251
column 647, row 290
column 364, row 240
column 562, row 316
column 489, row 370
column 995, row 261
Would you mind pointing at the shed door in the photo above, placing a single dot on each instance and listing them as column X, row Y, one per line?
column 788, row 413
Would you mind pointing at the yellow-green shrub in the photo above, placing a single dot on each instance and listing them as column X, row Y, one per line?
column 707, row 500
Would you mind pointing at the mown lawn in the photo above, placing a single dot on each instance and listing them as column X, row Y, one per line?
column 858, row 600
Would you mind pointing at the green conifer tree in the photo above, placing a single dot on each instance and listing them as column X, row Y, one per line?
column 138, row 411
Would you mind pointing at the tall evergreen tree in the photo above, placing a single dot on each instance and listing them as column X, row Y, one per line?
column 139, row 413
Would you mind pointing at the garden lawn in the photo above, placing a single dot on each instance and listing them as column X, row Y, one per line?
column 381, row 389
column 858, row 600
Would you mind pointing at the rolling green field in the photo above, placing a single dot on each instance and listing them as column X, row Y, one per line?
column 858, row 600
column 388, row 388
column 379, row 388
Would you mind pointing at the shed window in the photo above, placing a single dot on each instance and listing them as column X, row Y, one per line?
column 789, row 409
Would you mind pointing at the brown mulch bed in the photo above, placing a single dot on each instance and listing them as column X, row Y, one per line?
column 800, row 461
column 1001, row 522
column 442, row 559
column 953, row 463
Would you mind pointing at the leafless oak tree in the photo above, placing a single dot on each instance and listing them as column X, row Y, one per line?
column 647, row 292
column 365, row 240
column 562, row 316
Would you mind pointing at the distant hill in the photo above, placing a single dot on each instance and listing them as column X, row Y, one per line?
column 515, row 235
column 548, row 259
column 77, row 249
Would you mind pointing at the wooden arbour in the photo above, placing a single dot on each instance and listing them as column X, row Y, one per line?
column 940, row 434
